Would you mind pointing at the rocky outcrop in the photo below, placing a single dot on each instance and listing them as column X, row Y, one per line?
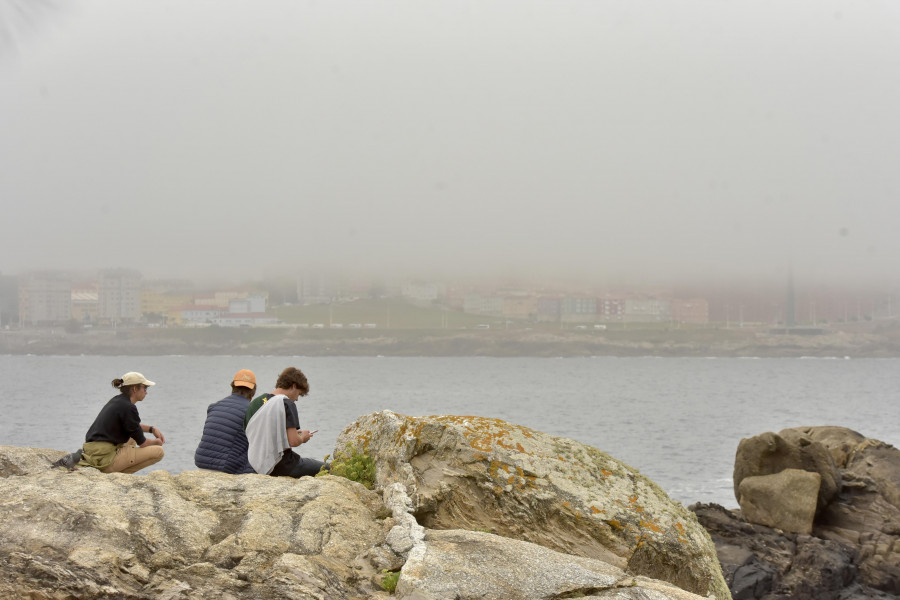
column 770, row 453
column 853, row 551
column 201, row 534
column 785, row 500
column 471, row 564
column 485, row 474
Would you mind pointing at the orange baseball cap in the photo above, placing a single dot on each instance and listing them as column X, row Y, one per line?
column 244, row 378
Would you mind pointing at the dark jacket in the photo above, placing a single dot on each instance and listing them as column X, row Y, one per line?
column 223, row 446
column 118, row 420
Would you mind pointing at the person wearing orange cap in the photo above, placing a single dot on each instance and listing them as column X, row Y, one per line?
column 115, row 441
column 223, row 445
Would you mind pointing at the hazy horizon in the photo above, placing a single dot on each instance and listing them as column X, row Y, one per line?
column 607, row 142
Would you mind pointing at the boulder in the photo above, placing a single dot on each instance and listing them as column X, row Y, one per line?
column 854, row 547
column 785, row 500
column 484, row 474
column 471, row 565
column 770, row 453
column 199, row 534
column 202, row 534
column 866, row 514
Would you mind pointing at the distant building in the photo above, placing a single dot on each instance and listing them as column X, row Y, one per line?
column 119, row 296
column 421, row 293
column 519, row 307
column 477, row 304
column 548, row 308
column 154, row 303
column 45, row 298
column 610, row 309
column 578, row 309
column 193, row 314
column 85, row 303
column 253, row 303
column 9, row 300
column 315, row 288
column 695, row 310
column 646, row 310
column 244, row 320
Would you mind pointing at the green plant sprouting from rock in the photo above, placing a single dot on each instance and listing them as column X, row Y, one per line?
column 389, row 581
column 352, row 465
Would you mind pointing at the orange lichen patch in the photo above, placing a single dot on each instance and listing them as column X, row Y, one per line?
column 479, row 456
column 605, row 472
column 511, row 479
column 638, row 509
column 650, row 524
column 567, row 504
column 615, row 524
column 632, row 500
column 505, row 467
column 519, row 447
column 596, row 510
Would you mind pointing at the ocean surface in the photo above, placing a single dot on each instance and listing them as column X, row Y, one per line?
column 677, row 420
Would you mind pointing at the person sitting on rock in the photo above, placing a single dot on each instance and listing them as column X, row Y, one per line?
column 223, row 446
column 115, row 442
column 273, row 428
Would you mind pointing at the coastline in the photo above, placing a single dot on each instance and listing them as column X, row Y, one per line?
column 877, row 342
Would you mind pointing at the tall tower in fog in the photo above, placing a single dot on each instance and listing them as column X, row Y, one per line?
column 790, row 318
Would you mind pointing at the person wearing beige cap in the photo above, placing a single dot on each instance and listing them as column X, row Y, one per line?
column 223, row 445
column 115, row 442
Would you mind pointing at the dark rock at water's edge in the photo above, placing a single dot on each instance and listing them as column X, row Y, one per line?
column 853, row 551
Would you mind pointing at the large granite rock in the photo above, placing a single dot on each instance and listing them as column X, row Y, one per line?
column 785, row 500
column 469, row 565
column 770, row 453
column 200, row 534
column 485, row 474
column 85, row 534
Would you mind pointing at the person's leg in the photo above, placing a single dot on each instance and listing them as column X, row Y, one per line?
column 144, row 457
column 293, row 465
column 307, row 467
column 130, row 458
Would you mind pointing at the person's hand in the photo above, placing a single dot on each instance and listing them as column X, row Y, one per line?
column 158, row 435
column 306, row 435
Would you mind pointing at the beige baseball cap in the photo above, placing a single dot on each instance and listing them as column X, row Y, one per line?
column 245, row 378
column 134, row 378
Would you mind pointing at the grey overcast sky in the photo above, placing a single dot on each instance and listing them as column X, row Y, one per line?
column 598, row 139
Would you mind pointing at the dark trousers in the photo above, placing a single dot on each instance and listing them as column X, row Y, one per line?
column 294, row 465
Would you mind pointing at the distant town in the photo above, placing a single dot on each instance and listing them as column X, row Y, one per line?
column 122, row 298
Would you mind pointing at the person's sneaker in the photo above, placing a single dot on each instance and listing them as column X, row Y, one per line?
column 69, row 460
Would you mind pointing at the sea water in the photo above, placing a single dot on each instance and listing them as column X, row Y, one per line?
column 677, row 420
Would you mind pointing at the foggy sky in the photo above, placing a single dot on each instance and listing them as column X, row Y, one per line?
column 604, row 139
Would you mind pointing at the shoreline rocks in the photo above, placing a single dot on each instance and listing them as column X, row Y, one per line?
column 849, row 548
column 202, row 534
column 466, row 472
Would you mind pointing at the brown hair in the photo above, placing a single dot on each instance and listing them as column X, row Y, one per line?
column 291, row 377
column 125, row 389
column 243, row 390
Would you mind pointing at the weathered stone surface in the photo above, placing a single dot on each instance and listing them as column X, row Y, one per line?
column 866, row 515
column 469, row 565
column 761, row 563
column 854, row 549
column 85, row 534
column 770, row 453
column 201, row 534
column 485, row 474
column 19, row 461
column 785, row 500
